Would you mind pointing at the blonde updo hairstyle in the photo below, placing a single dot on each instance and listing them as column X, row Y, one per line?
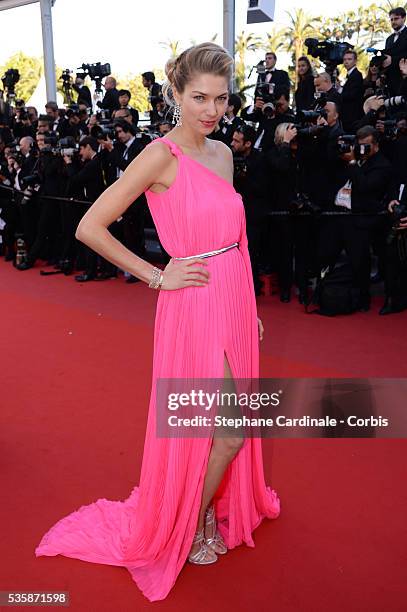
column 205, row 58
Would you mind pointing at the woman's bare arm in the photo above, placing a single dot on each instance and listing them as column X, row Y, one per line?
column 140, row 174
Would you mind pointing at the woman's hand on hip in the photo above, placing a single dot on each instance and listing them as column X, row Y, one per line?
column 178, row 274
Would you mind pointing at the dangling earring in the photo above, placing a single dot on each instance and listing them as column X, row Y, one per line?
column 177, row 118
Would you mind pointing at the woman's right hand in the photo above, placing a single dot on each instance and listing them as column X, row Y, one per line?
column 178, row 274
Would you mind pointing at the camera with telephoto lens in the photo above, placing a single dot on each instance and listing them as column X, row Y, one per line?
column 72, row 109
column 346, row 143
column 16, row 154
column 67, row 146
column 103, row 131
column 239, row 166
column 378, row 57
column 399, row 212
column 31, row 180
column 306, row 122
column 390, row 129
column 29, row 184
column 50, row 145
column 394, row 102
column 361, row 150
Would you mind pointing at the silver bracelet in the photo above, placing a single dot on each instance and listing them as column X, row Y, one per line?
column 157, row 278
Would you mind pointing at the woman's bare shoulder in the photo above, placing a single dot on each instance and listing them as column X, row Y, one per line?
column 223, row 150
column 157, row 152
column 151, row 162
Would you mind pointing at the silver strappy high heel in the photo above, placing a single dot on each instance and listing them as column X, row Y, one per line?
column 215, row 540
column 204, row 555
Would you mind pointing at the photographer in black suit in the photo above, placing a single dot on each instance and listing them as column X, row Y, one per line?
column 362, row 188
column 251, row 179
column 50, row 169
column 154, row 93
column 228, row 126
column 124, row 99
column 319, row 160
column 290, row 235
column 278, row 80
column 129, row 143
column 86, row 183
column 396, row 49
column 83, row 91
column 352, row 93
column 110, row 100
column 325, row 90
column 268, row 115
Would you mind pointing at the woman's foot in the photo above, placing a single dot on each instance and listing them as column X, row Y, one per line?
column 200, row 553
column 213, row 538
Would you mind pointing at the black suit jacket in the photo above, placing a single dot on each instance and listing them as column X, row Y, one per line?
column 280, row 79
column 226, row 130
column 255, row 187
column 84, row 95
column 397, row 51
column 116, row 158
column 320, row 164
column 285, row 176
column 370, row 184
column 87, row 183
column 333, row 95
column 111, row 100
column 351, row 100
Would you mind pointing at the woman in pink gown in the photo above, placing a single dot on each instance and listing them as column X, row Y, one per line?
column 206, row 326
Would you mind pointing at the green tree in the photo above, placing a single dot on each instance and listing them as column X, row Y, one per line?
column 30, row 69
column 274, row 40
column 388, row 5
column 245, row 42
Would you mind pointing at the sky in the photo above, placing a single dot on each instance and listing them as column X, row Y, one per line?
column 128, row 34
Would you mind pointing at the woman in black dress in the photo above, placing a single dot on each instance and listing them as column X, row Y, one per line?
column 304, row 95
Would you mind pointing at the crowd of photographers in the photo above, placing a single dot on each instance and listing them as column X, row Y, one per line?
column 324, row 178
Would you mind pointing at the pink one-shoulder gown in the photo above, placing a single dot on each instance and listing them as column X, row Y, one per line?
column 150, row 533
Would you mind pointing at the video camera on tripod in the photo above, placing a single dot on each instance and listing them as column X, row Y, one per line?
column 330, row 52
column 67, row 85
column 10, row 79
column 96, row 73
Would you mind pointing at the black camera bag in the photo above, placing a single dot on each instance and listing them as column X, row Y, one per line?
column 334, row 294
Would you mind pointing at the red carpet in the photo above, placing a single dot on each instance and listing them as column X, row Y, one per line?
column 76, row 368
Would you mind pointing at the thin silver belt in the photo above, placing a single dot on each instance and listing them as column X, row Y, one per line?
column 210, row 253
